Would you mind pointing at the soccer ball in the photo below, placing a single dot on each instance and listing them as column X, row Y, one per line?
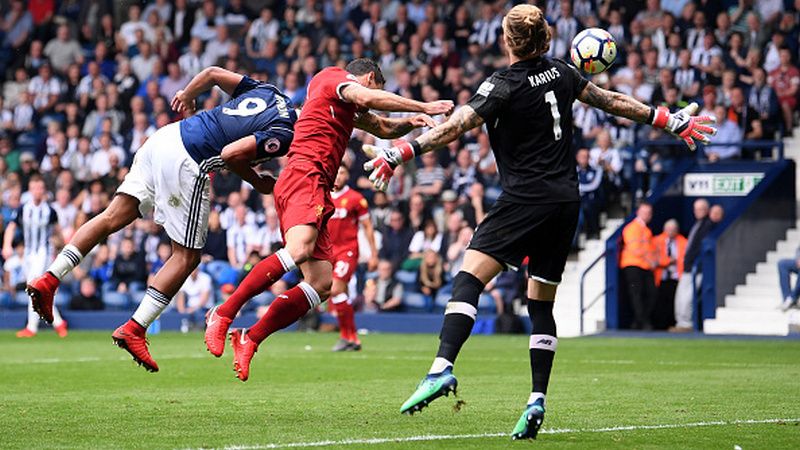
column 593, row 50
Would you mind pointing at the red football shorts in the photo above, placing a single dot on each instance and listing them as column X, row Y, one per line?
column 344, row 263
column 303, row 198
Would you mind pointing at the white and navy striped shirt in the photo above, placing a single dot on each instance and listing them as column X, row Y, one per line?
column 36, row 223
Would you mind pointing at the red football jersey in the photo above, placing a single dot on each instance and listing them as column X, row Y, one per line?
column 351, row 207
column 323, row 129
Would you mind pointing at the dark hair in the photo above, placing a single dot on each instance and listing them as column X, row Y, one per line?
column 363, row 66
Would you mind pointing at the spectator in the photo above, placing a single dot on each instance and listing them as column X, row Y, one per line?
column 395, row 241
column 383, row 293
column 787, row 267
column 670, row 248
column 195, row 296
column 590, row 178
column 431, row 274
column 86, row 299
column 728, row 133
column 128, row 274
column 785, row 80
column 45, row 89
column 762, row 100
column 427, row 238
column 715, row 214
column 239, row 237
column 684, row 293
column 63, row 51
column 637, row 263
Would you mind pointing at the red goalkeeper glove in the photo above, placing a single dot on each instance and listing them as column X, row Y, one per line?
column 684, row 124
column 384, row 161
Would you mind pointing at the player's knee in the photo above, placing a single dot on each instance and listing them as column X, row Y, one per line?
column 323, row 286
column 300, row 253
column 189, row 258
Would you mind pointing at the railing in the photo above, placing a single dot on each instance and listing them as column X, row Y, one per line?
column 581, row 295
column 758, row 145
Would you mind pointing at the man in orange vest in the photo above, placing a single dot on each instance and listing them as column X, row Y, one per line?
column 637, row 261
column 670, row 247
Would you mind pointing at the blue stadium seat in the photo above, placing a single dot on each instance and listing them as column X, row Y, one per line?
column 116, row 300
column 21, row 299
column 417, row 302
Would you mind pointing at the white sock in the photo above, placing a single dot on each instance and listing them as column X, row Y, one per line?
column 536, row 396
column 57, row 320
column 65, row 261
column 153, row 303
column 439, row 364
column 286, row 260
column 341, row 298
column 33, row 319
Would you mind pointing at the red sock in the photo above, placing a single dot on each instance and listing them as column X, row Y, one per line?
column 260, row 278
column 347, row 322
column 284, row 311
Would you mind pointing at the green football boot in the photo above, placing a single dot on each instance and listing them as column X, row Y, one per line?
column 530, row 421
column 429, row 389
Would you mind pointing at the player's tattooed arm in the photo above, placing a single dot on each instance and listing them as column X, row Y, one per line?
column 391, row 128
column 387, row 101
column 615, row 103
column 463, row 120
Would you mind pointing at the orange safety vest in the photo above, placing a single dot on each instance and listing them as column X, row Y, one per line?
column 660, row 244
column 637, row 250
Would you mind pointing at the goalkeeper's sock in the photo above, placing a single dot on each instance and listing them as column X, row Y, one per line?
column 543, row 343
column 261, row 277
column 284, row 311
column 459, row 318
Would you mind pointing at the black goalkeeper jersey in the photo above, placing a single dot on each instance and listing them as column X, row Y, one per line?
column 527, row 109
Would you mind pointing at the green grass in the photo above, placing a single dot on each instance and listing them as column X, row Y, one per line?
column 82, row 392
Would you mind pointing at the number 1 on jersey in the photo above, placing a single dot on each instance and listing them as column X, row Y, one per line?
column 550, row 97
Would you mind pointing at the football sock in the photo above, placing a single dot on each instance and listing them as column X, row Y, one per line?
column 344, row 315
column 65, row 261
column 261, row 277
column 459, row 317
column 150, row 308
column 543, row 343
column 57, row 320
column 284, row 311
column 33, row 319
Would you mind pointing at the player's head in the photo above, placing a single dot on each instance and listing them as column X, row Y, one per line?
column 525, row 32
column 367, row 71
column 341, row 178
column 36, row 188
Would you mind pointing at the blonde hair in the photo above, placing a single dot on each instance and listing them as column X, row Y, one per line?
column 526, row 31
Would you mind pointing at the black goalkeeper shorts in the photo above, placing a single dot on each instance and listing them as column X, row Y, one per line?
column 543, row 233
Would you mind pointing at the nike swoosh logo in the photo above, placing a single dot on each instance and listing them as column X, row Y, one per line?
column 211, row 320
column 243, row 339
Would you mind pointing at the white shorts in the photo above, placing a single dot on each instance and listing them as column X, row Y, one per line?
column 36, row 263
column 168, row 182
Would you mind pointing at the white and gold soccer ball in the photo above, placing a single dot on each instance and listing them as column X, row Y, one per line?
column 593, row 50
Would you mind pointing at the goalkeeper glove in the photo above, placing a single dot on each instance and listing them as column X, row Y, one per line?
column 684, row 124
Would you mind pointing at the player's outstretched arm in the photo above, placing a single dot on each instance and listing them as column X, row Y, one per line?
column 683, row 124
column 386, row 101
column 203, row 81
column 384, row 161
column 391, row 128
column 238, row 156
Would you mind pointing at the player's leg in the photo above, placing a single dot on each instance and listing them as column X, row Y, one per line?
column 459, row 318
column 123, row 210
column 549, row 248
column 166, row 283
column 300, row 243
column 284, row 311
column 344, row 265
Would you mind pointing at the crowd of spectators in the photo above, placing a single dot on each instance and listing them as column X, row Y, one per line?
column 84, row 83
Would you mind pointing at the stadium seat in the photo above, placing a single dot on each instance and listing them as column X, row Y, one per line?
column 116, row 300
column 417, row 302
column 21, row 299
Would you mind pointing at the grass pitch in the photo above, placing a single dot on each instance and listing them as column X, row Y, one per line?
column 82, row 392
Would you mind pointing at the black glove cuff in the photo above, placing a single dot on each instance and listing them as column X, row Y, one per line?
column 652, row 116
column 416, row 147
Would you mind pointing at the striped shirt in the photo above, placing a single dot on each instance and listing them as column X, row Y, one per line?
column 36, row 223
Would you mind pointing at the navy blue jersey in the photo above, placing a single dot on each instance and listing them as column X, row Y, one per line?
column 257, row 109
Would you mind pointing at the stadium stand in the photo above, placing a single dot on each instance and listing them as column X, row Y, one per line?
column 85, row 83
